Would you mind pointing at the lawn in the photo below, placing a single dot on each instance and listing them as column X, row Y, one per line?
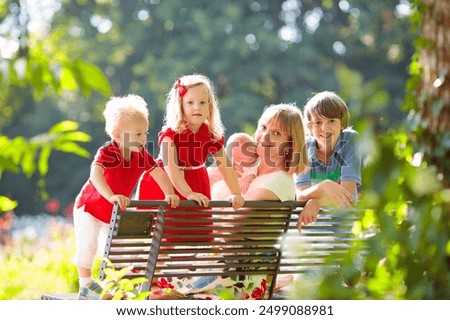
column 33, row 264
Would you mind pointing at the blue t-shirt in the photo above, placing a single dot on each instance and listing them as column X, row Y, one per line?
column 343, row 165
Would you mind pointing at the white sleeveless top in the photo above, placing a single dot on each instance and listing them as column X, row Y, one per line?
column 219, row 189
column 279, row 182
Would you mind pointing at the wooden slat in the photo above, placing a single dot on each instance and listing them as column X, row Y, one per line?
column 259, row 239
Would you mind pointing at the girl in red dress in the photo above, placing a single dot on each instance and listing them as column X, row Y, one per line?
column 192, row 130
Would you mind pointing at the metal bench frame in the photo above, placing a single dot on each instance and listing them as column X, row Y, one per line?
column 154, row 241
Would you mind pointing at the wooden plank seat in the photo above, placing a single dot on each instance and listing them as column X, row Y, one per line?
column 260, row 239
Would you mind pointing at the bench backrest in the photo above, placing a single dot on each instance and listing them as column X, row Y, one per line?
column 259, row 239
column 322, row 244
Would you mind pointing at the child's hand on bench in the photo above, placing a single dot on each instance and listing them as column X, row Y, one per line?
column 173, row 200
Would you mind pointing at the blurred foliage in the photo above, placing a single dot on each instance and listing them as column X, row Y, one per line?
column 408, row 256
column 6, row 204
column 31, row 267
column 256, row 53
column 119, row 288
column 406, row 199
column 31, row 155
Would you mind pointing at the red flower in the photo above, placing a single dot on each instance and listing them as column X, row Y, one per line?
column 259, row 293
column 53, row 206
column 163, row 284
column 181, row 88
column 133, row 270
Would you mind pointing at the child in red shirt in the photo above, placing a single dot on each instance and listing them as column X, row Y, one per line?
column 115, row 171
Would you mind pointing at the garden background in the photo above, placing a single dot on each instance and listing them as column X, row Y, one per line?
column 61, row 60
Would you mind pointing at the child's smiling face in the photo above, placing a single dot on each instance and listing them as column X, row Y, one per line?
column 132, row 134
column 325, row 130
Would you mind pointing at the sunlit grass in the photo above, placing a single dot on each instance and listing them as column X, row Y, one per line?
column 33, row 267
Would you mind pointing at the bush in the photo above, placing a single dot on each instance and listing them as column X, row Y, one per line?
column 32, row 267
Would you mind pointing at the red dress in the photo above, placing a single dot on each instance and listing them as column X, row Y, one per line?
column 121, row 176
column 192, row 151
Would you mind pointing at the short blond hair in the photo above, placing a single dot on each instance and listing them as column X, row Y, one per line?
column 174, row 109
column 290, row 119
column 118, row 109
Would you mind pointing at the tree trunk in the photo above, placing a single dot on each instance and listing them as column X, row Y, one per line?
column 434, row 93
column 434, row 90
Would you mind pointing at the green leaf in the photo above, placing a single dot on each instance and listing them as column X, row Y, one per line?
column 7, row 204
column 75, row 136
column 64, row 126
column 143, row 295
column 35, row 74
column 91, row 77
column 17, row 147
column 138, row 281
column 72, row 147
column 68, row 81
column 28, row 164
column 43, row 160
column 6, row 164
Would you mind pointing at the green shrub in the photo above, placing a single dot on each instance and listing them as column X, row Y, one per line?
column 31, row 268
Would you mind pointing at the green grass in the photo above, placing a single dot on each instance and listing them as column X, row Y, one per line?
column 31, row 268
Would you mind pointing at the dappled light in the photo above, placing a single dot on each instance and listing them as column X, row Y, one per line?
column 60, row 61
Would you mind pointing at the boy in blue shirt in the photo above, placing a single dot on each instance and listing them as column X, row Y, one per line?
column 334, row 170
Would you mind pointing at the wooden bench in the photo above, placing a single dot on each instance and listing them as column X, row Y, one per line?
column 155, row 241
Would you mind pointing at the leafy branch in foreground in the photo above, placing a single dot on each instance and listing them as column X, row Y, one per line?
column 116, row 287
column 29, row 156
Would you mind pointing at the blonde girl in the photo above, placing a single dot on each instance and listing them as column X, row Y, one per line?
column 191, row 132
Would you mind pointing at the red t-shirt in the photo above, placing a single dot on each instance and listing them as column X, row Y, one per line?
column 121, row 176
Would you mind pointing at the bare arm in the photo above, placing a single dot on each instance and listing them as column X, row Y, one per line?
column 247, row 177
column 227, row 171
column 324, row 193
column 229, row 175
column 176, row 175
column 166, row 186
column 350, row 186
column 98, row 180
column 245, row 181
column 328, row 192
column 309, row 213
